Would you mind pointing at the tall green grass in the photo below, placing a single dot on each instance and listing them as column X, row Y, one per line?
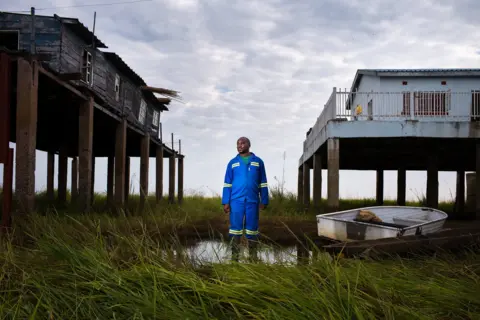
column 131, row 276
column 106, row 266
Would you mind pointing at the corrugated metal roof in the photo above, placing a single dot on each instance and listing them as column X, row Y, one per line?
column 423, row 70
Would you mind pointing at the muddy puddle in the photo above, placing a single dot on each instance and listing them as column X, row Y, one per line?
column 211, row 251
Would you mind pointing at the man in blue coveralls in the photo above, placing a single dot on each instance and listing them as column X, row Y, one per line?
column 245, row 192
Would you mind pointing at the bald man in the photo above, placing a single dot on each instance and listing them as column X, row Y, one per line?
column 245, row 191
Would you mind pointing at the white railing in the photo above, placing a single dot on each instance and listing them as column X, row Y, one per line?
column 406, row 105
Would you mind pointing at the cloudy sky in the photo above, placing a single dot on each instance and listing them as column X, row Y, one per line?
column 264, row 69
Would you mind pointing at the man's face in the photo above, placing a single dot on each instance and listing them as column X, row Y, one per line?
column 242, row 145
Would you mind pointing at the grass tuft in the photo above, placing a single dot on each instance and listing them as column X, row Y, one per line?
column 103, row 266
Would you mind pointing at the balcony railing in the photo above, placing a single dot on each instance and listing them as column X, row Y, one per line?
column 390, row 106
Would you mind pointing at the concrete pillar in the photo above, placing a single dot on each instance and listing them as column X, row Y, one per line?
column 180, row 180
column 306, row 185
column 333, row 183
column 471, row 192
column 460, row 193
column 159, row 173
column 300, row 185
column 171, row 179
column 144, row 162
column 85, row 152
column 120, row 162
column 50, row 176
column 401, row 186
column 62, row 175
column 26, row 134
column 477, row 182
column 380, row 181
column 432, row 184
column 317, row 181
column 74, row 188
column 110, row 179
column 127, row 179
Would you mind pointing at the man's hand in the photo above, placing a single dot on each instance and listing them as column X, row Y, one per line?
column 263, row 206
column 226, row 208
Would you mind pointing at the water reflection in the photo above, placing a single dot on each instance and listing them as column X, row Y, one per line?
column 205, row 252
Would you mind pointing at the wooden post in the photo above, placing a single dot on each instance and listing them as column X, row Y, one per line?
column 127, row 179
column 7, row 190
column 62, row 175
column 317, row 181
column 460, row 193
column 50, row 176
column 92, row 190
column 26, row 135
column 306, row 185
column 333, row 183
column 85, row 151
column 74, row 188
column 5, row 101
column 144, row 168
column 159, row 173
column 110, row 179
column 432, row 184
column 180, row 179
column 171, row 178
column 120, row 163
column 380, row 180
column 401, row 186
column 300, row 185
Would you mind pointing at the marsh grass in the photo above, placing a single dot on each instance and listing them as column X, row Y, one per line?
column 105, row 266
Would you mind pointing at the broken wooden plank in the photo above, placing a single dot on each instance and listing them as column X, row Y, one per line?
column 164, row 100
column 162, row 91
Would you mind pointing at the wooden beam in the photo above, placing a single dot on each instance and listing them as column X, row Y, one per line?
column 85, row 151
column 110, row 179
column 62, row 174
column 5, row 76
column 171, row 179
column 74, row 188
column 50, row 176
column 120, row 163
column 159, row 173
column 27, row 100
column 63, row 83
column 144, row 167
column 70, row 76
column 180, row 181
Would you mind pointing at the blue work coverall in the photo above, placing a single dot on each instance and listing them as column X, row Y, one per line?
column 244, row 188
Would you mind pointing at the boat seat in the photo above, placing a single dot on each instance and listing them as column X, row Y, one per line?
column 408, row 221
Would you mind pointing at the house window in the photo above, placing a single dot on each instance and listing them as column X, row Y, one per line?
column 9, row 39
column 155, row 118
column 117, row 87
column 426, row 103
column 142, row 112
column 87, row 67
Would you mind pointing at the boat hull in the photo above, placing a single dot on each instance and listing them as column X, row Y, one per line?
column 404, row 221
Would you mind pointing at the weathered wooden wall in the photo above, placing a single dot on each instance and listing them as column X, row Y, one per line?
column 47, row 35
column 64, row 54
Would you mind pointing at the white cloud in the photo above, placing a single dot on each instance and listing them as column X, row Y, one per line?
column 265, row 69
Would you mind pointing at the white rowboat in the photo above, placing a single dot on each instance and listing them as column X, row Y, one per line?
column 396, row 221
